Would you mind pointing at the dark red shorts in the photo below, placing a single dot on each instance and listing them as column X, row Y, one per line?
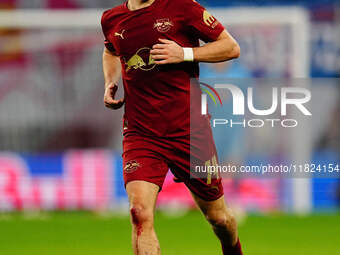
column 149, row 159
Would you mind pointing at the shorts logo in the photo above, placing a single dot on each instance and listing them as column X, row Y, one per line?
column 209, row 20
column 131, row 166
column 163, row 25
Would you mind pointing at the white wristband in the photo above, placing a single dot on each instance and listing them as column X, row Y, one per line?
column 188, row 54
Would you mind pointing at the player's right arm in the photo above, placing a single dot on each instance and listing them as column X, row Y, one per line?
column 112, row 72
column 111, row 67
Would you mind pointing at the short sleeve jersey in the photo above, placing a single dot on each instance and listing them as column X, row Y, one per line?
column 157, row 96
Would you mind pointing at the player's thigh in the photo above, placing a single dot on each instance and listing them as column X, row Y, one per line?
column 211, row 208
column 143, row 160
column 199, row 150
column 204, row 187
column 142, row 193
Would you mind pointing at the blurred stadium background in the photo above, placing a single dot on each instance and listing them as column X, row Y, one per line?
column 61, row 187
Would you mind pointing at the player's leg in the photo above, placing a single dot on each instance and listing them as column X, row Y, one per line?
column 223, row 223
column 210, row 199
column 142, row 198
column 144, row 171
column 207, row 189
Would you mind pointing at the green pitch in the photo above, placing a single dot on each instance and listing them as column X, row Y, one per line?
column 89, row 234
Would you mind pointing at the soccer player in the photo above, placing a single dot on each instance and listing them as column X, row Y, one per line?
column 154, row 44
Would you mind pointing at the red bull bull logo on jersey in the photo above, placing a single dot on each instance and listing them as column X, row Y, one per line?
column 141, row 60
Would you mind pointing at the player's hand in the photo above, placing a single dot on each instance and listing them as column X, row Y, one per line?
column 167, row 52
column 109, row 97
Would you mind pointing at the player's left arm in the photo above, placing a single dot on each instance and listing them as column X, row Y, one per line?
column 224, row 48
column 199, row 24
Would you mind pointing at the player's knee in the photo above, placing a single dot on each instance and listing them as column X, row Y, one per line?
column 221, row 219
column 217, row 220
column 141, row 215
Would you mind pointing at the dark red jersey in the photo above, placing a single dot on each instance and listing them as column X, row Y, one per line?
column 157, row 96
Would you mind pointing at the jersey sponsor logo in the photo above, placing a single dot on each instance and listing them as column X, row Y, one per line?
column 209, row 20
column 131, row 166
column 163, row 25
column 121, row 34
column 141, row 60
